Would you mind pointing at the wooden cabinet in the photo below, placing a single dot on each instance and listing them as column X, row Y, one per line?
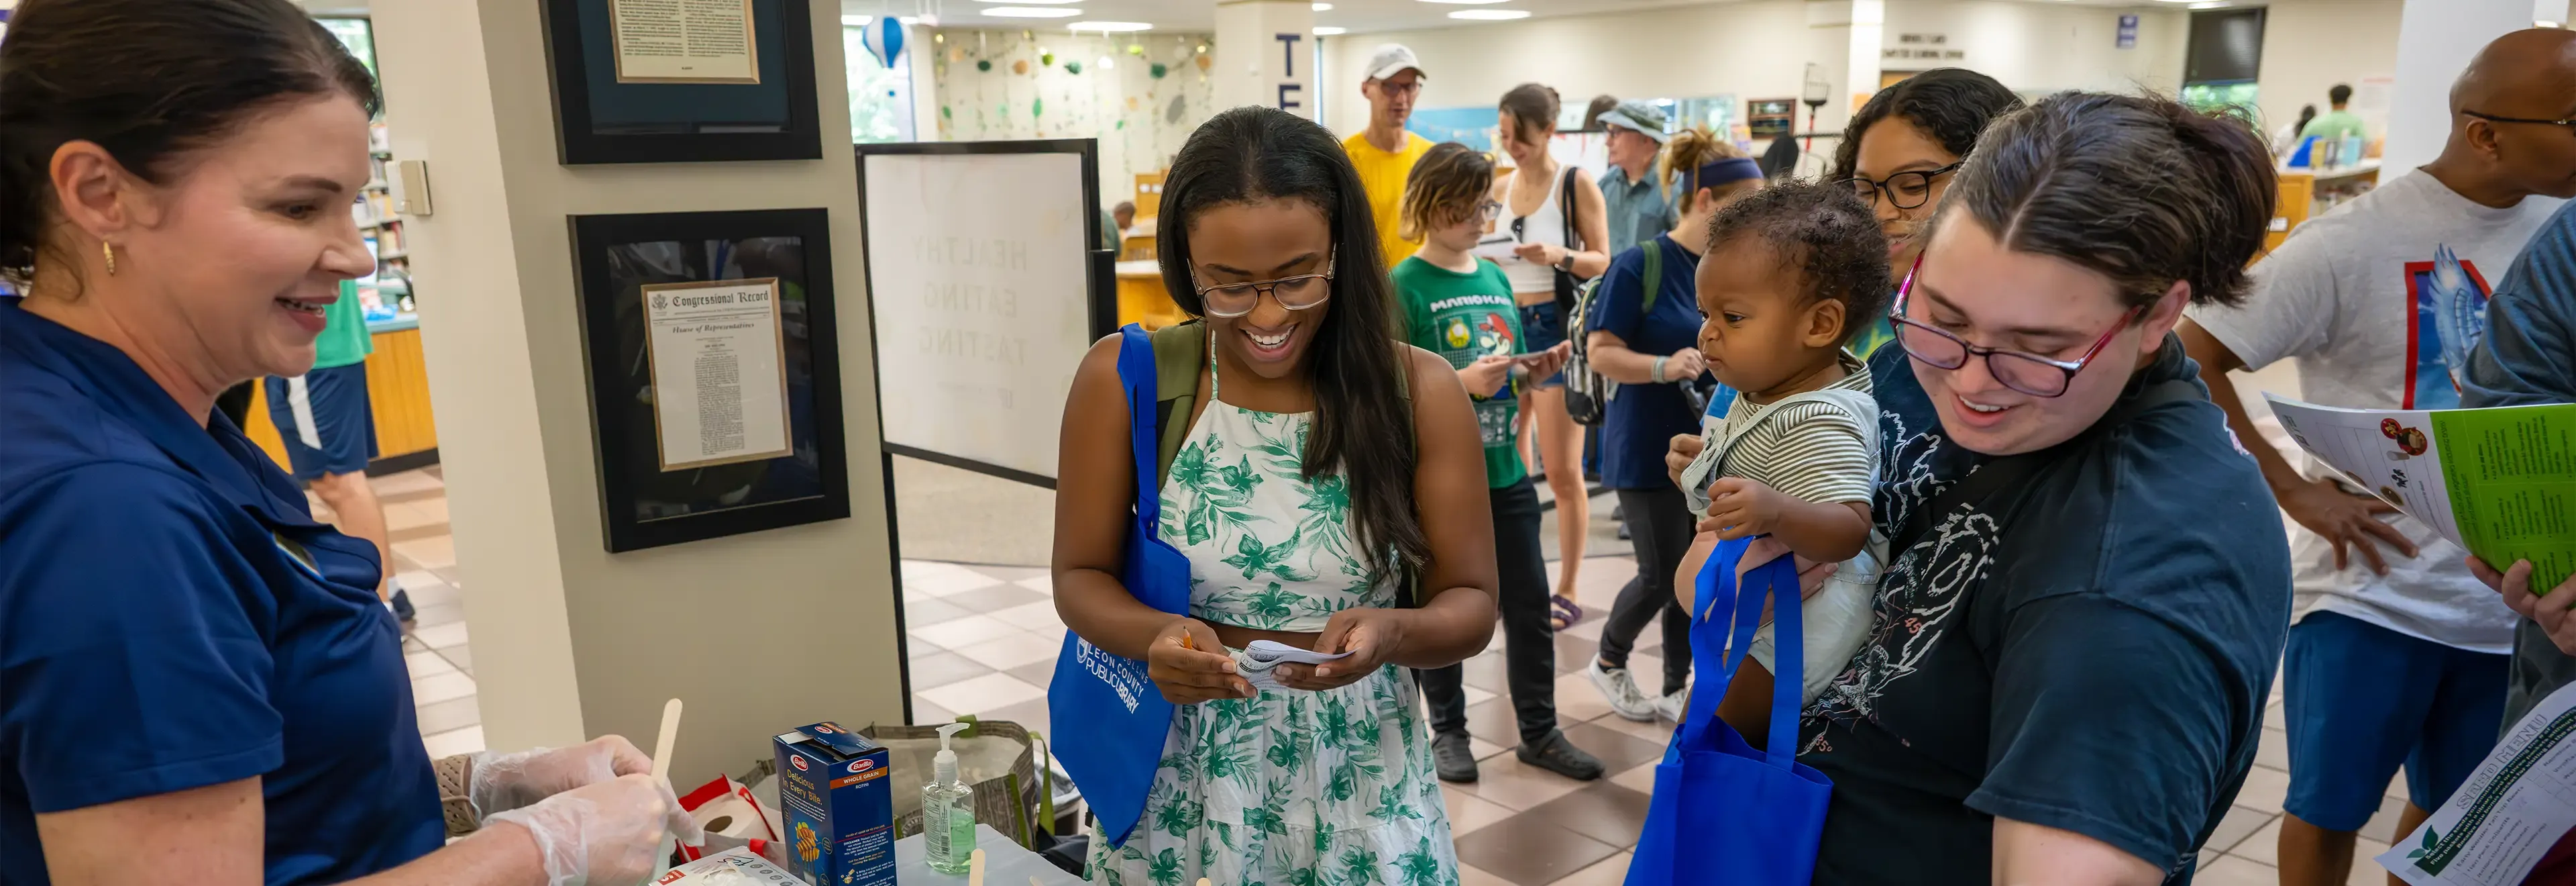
column 398, row 391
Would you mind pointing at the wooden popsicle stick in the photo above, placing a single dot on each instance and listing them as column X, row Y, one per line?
column 975, row 868
column 662, row 743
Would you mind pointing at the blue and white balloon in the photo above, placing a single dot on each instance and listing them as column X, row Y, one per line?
column 884, row 39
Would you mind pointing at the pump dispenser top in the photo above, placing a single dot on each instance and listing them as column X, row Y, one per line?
column 944, row 767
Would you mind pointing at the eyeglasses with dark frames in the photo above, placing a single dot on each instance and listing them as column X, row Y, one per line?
column 1294, row 293
column 2026, row 373
column 2568, row 124
column 1904, row 191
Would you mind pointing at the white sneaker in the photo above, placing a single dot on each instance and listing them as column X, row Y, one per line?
column 1670, row 707
column 1626, row 700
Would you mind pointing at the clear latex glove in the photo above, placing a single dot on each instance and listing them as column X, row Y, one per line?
column 609, row 834
column 503, row 782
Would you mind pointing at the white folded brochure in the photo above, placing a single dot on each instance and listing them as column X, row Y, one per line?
column 733, row 867
column 1257, row 660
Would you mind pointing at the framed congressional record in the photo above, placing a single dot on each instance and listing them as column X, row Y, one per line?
column 715, row 393
column 660, row 81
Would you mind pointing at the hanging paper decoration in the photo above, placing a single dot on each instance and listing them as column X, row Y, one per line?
column 1045, row 58
column 945, row 113
column 1206, row 62
column 1073, row 67
column 1020, row 67
column 883, row 39
column 1157, row 70
column 956, row 53
column 1037, row 107
column 1172, row 114
column 1135, row 49
column 983, row 64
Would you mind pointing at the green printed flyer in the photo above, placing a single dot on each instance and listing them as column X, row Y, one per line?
column 2500, row 483
column 2512, row 478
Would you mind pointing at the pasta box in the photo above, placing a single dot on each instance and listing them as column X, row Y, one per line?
column 834, row 789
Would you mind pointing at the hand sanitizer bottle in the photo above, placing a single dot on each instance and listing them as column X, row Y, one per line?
column 947, row 811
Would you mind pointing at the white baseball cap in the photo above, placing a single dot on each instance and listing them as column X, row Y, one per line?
column 1391, row 59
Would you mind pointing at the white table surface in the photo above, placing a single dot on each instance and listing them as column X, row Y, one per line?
column 1005, row 864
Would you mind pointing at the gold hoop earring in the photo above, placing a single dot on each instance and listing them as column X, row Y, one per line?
column 110, row 250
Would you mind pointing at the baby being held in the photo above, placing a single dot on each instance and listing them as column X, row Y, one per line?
column 1792, row 273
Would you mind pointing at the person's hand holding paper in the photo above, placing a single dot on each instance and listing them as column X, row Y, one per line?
column 2551, row 611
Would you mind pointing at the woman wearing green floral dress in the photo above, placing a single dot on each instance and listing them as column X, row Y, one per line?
column 1329, row 496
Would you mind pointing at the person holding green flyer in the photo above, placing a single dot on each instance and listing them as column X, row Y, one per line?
column 2398, row 658
column 2528, row 358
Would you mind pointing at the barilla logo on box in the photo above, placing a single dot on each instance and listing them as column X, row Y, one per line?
column 839, row 804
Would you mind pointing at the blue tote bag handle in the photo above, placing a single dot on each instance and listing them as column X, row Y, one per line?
column 1125, row 720
column 1746, row 817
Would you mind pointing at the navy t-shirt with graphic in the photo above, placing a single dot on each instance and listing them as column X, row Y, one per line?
column 2090, row 651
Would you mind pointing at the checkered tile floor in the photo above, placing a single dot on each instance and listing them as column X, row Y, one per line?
column 983, row 641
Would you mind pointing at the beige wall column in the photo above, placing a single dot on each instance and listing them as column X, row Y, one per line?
column 1265, row 53
column 757, row 633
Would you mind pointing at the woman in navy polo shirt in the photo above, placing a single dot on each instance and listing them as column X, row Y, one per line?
column 1645, row 336
column 197, row 684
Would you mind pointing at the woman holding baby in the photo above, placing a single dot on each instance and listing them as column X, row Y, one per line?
column 2067, row 657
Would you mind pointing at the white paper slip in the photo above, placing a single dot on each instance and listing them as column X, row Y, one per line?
column 1257, row 660
column 2516, row 808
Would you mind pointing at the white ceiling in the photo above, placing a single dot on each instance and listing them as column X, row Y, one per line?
column 1360, row 16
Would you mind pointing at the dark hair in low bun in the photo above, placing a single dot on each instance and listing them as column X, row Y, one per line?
column 148, row 81
column 2136, row 187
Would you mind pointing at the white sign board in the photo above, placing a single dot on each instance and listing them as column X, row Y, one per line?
column 978, row 273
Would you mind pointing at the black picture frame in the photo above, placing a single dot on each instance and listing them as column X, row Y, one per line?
column 1102, row 297
column 641, row 505
column 785, row 124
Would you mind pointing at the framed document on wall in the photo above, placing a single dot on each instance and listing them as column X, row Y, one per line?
column 654, row 81
column 715, row 384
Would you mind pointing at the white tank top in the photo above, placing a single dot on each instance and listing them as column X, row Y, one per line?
column 1545, row 226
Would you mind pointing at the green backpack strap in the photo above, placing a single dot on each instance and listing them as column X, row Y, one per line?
column 1180, row 354
column 1654, row 275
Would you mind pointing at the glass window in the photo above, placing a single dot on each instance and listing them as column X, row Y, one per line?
column 880, row 98
column 358, row 34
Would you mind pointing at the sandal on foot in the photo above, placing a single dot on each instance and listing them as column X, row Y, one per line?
column 1563, row 613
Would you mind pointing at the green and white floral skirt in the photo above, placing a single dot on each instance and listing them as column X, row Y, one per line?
column 1330, row 788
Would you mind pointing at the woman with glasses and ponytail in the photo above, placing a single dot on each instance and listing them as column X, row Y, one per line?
column 2089, row 586
column 1328, row 493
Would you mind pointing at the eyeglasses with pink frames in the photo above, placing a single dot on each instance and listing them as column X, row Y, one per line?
column 2026, row 373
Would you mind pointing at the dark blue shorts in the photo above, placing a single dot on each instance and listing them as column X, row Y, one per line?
column 2361, row 699
column 326, row 421
column 1542, row 326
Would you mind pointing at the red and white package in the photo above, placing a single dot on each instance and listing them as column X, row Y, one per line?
column 732, row 818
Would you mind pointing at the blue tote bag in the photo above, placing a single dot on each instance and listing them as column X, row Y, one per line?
column 1724, row 813
column 1123, row 718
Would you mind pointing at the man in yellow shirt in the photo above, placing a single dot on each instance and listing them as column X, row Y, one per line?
column 1385, row 151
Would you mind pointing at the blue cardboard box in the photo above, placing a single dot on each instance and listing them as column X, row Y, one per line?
column 834, row 787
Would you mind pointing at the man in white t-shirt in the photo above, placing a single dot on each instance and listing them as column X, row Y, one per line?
column 2398, row 654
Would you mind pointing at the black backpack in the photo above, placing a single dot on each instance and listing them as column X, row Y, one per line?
column 1587, row 393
